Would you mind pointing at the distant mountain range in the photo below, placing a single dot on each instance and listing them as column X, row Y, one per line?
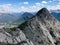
column 14, row 18
column 9, row 18
column 18, row 18
column 24, row 17
column 56, row 14
column 56, row 11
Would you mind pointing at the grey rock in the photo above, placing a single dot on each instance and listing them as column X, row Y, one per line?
column 42, row 29
column 16, row 37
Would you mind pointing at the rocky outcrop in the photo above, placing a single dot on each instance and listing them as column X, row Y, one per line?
column 42, row 29
column 16, row 37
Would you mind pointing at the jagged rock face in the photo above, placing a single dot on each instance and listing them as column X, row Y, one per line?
column 16, row 37
column 43, row 29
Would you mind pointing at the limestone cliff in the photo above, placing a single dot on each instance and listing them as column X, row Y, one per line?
column 16, row 37
column 42, row 29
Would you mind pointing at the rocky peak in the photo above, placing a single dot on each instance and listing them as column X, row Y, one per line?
column 42, row 29
column 44, row 13
column 43, row 10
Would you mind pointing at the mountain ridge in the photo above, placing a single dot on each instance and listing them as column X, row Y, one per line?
column 42, row 29
column 24, row 17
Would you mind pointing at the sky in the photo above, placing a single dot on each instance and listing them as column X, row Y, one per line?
column 9, row 6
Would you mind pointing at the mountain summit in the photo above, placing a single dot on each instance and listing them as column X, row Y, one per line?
column 43, row 10
column 42, row 29
column 44, row 13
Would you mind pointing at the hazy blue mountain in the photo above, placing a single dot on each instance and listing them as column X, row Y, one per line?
column 56, row 11
column 17, row 18
column 24, row 17
column 9, row 18
column 34, row 13
column 14, row 18
column 56, row 14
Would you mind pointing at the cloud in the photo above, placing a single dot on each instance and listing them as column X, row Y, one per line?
column 33, row 8
column 50, row 1
column 7, row 8
column 44, row 2
column 55, row 7
column 5, row 5
column 25, row 2
column 23, row 9
column 38, row 4
column 59, row 3
column 56, row 0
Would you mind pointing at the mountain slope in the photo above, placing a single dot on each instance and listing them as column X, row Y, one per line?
column 16, row 37
column 24, row 17
column 42, row 29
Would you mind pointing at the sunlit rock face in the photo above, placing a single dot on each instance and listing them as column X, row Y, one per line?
column 42, row 29
column 16, row 37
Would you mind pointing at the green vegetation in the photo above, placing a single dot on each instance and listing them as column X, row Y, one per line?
column 12, row 29
column 22, row 26
column 9, row 25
